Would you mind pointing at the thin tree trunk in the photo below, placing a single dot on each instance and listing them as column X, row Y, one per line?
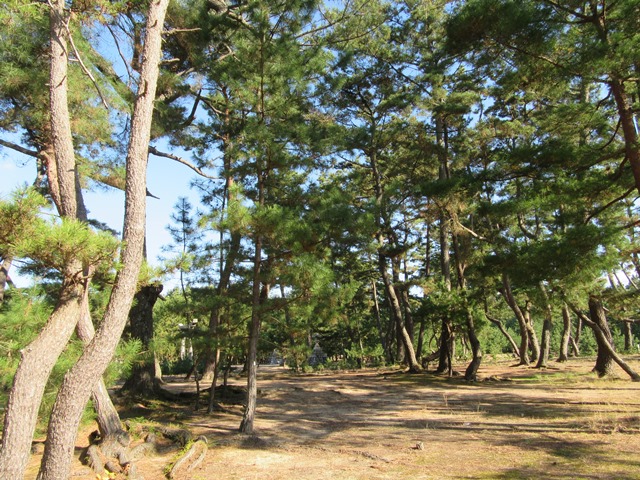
column 507, row 294
column 575, row 340
column 396, row 311
column 534, row 346
column 83, row 376
column 246, row 426
column 471, row 374
column 503, row 330
column 628, row 336
column 376, row 306
column 545, row 346
column 566, row 334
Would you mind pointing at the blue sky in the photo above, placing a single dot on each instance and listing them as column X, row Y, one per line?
column 166, row 179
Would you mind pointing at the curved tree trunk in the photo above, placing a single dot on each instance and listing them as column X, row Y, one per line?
column 36, row 362
column 503, row 330
column 507, row 294
column 83, row 376
column 604, row 339
column 39, row 357
column 471, row 374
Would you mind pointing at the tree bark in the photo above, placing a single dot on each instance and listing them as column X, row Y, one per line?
column 545, row 345
column 628, row 336
column 36, row 362
column 39, row 357
column 396, row 312
column 143, row 378
column 246, row 426
column 108, row 419
column 4, row 276
column 83, row 376
column 625, row 111
column 503, row 330
column 566, row 334
column 471, row 374
column 508, row 296
column 599, row 325
column 604, row 339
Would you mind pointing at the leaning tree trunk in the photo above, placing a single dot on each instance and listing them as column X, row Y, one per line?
column 108, row 419
column 599, row 325
column 498, row 323
column 83, row 376
column 396, row 312
column 604, row 339
column 36, row 362
column 143, row 379
column 508, row 296
column 39, row 357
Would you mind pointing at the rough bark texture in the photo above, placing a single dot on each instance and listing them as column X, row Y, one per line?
column 36, row 362
column 107, row 416
column 143, row 376
column 604, row 339
column 246, row 425
column 61, row 138
column 38, row 359
column 81, row 379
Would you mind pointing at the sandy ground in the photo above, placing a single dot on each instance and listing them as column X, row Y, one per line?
column 518, row 422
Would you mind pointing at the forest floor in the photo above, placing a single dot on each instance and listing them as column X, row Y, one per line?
column 515, row 423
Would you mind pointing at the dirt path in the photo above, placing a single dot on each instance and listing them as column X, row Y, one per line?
column 561, row 423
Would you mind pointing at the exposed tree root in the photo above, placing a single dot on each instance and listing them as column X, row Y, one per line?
column 115, row 454
column 190, row 460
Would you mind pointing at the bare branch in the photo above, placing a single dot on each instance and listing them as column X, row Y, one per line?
column 83, row 66
column 181, row 160
column 18, row 148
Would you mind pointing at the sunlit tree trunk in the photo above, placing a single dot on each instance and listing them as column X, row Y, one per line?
column 84, row 375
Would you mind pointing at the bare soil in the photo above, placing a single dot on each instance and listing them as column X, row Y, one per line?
column 516, row 423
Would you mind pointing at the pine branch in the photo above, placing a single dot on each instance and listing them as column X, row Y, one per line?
column 611, row 203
